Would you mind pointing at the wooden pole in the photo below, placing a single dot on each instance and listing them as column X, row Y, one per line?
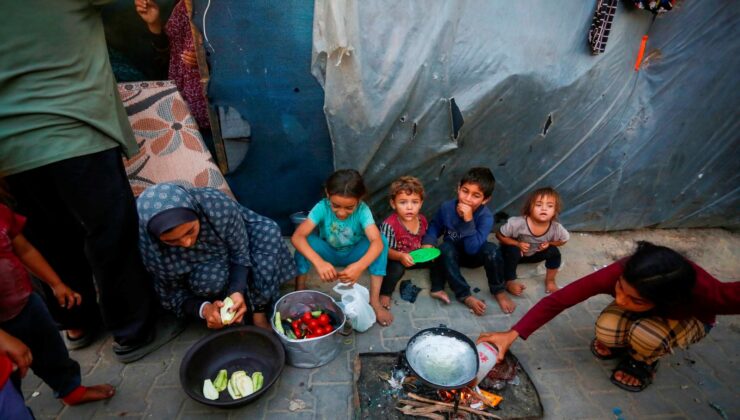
column 200, row 53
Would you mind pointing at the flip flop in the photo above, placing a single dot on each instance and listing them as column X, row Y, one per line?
column 80, row 342
column 641, row 371
column 615, row 352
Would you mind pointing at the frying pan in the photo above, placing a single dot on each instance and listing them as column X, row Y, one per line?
column 442, row 357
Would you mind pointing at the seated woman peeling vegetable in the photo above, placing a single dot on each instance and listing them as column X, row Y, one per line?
column 211, row 257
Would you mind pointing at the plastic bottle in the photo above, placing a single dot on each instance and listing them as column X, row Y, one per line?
column 487, row 354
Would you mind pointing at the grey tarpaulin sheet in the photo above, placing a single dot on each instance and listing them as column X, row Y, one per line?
column 626, row 149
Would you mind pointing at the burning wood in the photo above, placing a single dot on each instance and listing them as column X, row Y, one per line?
column 429, row 410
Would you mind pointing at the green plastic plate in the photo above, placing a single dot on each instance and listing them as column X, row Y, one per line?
column 424, row 254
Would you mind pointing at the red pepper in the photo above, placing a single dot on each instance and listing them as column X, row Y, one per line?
column 296, row 324
column 324, row 319
column 306, row 317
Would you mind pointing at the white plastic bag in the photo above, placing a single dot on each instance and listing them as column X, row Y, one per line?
column 356, row 303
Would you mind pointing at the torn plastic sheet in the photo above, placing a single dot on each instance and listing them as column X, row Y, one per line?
column 625, row 149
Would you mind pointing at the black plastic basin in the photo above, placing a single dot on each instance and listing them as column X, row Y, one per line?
column 245, row 348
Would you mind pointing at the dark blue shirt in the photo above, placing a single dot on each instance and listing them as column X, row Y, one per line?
column 469, row 235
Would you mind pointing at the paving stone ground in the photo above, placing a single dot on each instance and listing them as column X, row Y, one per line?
column 571, row 382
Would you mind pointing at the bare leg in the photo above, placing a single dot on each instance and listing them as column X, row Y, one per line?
column 383, row 315
column 476, row 305
column 514, row 287
column 385, row 301
column 441, row 295
column 300, row 282
column 550, row 285
column 260, row 320
column 506, row 304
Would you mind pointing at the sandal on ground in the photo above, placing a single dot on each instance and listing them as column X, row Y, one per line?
column 614, row 352
column 641, row 371
column 80, row 342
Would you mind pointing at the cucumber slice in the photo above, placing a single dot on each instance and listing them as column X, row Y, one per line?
column 209, row 391
column 221, row 380
column 232, row 390
column 226, row 315
column 257, row 380
column 244, row 385
column 279, row 324
column 315, row 314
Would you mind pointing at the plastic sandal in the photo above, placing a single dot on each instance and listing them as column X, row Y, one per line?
column 615, row 352
column 641, row 371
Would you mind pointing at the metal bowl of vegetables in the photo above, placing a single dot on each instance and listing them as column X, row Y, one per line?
column 232, row 367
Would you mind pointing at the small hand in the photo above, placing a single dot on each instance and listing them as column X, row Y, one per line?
column 148, row 10
column 326, row 271
column 523, row 246
column 66, row 297
column 502, row 341
column 212, row 314
column 350, row 274
column 239, row 307
column 543, row 246
column 465, row 212
column 189, row 58
column 407, row 260
column 17, row 351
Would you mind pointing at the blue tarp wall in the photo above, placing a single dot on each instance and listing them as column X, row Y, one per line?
column 626, row 149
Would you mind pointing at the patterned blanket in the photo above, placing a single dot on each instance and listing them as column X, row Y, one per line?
column 171, row 147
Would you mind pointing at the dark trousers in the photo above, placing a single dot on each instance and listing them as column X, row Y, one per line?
column 35, row 327
column 513, row 257
column 394, row 270
column 82, row 218
column 447, row 268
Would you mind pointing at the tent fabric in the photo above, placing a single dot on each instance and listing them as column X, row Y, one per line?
column 259, row 54
column 432, row 88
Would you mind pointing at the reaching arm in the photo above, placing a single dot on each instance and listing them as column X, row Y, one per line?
column 37, row 264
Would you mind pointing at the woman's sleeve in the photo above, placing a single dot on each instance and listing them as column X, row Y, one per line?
column 599, row 282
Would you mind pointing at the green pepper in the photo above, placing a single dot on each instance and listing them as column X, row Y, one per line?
column 315, row 314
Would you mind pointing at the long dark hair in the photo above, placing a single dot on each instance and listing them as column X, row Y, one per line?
column 345, row 182
column 660, row 275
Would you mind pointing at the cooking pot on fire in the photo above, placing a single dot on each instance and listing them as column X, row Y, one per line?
column 442, row 357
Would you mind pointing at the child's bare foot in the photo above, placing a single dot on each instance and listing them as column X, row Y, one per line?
column 441, row 295
column 551, row 286
column 476, row 305
column 95, row 393
column 384, row 316
column 506, row 304
column 300, row 283
column 515, row 288
column 385, row 301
